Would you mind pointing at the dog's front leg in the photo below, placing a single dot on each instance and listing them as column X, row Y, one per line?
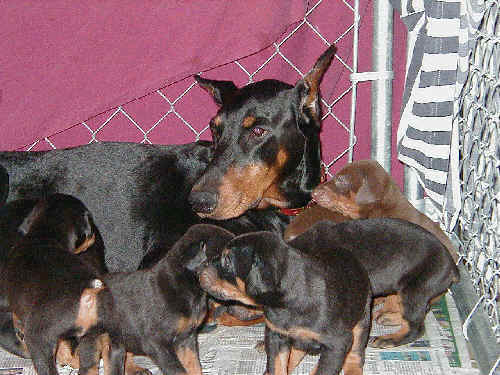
column 163, row 354
column 333, row 354
column 188, row 355
column 278, row 352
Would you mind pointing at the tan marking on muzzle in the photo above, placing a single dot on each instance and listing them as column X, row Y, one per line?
column 222, row 289
column 250, row 186
column 338, row 202
column 85, row 245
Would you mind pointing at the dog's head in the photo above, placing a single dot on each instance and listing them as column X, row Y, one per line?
column 244, row 270
column 199, row 245
column 357, row 189
column 266, row 145
column 63, row 218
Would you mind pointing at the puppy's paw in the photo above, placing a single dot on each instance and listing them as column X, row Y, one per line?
column 388, row 319
column 260, row 347
column 381, row 342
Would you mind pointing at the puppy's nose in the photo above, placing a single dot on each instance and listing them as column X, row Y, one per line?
column 203, row 202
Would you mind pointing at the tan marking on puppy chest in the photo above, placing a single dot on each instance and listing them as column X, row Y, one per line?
column 65, row 355
column 185, row 323
column 87, row 310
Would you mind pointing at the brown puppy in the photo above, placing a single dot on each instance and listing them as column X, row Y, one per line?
column 362, row 190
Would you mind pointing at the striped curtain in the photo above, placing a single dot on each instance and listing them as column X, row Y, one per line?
column 439, row 33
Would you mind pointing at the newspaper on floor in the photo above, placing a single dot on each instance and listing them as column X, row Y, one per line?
column 231, row 350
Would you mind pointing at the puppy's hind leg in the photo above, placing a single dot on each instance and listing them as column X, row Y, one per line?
column 412, row 320
column 355, row 358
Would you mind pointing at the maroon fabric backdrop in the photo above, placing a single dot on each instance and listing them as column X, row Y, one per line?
column 63, row 63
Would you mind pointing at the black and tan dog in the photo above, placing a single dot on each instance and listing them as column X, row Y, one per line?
column 50, row 290
column 265, row 153
column 318, row 304
column 157, row 311
column 402, row 260
column 12, row 216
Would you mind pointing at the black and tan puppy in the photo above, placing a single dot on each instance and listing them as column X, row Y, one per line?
column 402, row 259
column 12, row 216
column 157, row 311
column 50, row 291
column 311, row 304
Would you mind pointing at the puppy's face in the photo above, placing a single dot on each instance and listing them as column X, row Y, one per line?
column 353, row 189
column 241, row 272
column 65, row 217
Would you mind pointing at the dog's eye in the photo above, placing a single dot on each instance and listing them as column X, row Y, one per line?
column 258, row 131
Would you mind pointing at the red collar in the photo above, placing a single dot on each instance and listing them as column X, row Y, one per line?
column 298, row 210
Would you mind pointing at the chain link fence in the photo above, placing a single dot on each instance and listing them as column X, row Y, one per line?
column 175, row 117
column 478, row 226
column 479, row 134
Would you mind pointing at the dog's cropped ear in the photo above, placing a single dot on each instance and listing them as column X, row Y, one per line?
column 32, row 217
column 201, row 257
column 308, row 88
column 220, row 90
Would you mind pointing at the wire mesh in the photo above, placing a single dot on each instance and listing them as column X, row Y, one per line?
column 175, row 117
column 478, row 225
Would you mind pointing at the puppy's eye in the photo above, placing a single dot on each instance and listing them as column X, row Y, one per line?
column 258, row 131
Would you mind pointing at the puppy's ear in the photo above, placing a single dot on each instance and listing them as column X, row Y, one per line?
column 201, row 256
column 260, row 283
column 221, row 91
column 308, row 88
column 364, row 195
column 32, row 217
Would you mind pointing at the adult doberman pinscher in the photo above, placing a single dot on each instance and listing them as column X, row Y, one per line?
column 265, row 153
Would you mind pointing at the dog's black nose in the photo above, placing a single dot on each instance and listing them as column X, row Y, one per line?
column 202, row 202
